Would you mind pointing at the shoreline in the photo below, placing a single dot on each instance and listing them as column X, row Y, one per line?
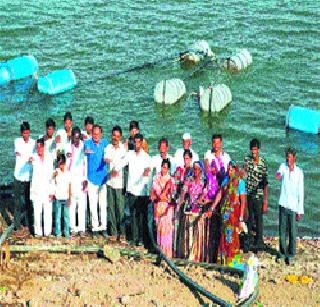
column 49, row 278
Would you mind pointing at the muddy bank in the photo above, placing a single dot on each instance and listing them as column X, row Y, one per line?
column 44, row 278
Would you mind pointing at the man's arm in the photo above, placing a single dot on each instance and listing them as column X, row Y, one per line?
column 265, row 199
column 243, row 204
column 301, row 197
column 280, row 172
column 124, row 161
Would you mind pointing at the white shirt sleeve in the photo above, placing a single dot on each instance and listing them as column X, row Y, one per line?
column 207, row 155
column 281, row 169
column 107, row 152
column 195, row 156
column 228, row 159
column 16, row 147
column 124, row 161
column 51, row 179
column 301, row 193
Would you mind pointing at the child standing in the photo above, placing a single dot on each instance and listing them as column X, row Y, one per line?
column 63, row 192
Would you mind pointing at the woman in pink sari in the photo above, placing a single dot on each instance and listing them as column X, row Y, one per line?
column 161, row 194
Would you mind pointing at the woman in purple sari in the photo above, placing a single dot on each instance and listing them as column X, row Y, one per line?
column 212, row 222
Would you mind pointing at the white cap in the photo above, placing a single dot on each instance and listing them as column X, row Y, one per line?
column 186, row 136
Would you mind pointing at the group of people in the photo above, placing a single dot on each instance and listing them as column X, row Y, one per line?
column 199, row 208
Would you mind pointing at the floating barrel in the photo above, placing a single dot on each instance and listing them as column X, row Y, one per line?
column 4, row 75
column 303, row 119
column 169, row 91
column 214, row 98
column 18, row 68
column 241, row 60
column 202, row 47
column 56, row 82
column 197, row 52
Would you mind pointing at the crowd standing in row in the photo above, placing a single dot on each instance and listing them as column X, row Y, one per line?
column 199, row 208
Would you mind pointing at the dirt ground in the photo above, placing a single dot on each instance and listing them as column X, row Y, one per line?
column 47, row 279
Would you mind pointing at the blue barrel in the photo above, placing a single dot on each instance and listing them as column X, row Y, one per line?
column 303, row 119
column 58, row 81
column 4, row 74
column 21, row 67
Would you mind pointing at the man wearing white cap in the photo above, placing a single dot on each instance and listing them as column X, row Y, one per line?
column 186, row 143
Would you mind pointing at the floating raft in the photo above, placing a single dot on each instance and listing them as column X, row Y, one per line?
column 303, row 119
column 169, row 91
column 56, row 82
column 215, row 98
column 18, row 68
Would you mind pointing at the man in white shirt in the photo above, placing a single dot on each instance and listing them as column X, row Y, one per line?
column 42, row 190
column 163, row 154
column 64, row 135
column 49, row 138
column 77, row 166
column 88, row 126
column 24, row 148
column 291, row 203
column 138, row 188
column 113, row 154
column 221, row 159
column 186, row 142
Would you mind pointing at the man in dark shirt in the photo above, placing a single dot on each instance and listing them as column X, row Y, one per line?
column 257, row 189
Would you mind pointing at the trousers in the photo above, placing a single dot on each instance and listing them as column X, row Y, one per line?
column 42, row 214
column 138, row 206
column 255, row 218
column 62, row 205
column 22, row 203
column 78, row 208
column 287, row 230
column 98, row 206
column 116, row 208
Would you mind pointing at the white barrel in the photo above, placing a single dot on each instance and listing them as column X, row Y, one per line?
column 197, row 52
column 169, row 91
column 202, row 47
column 241, row 60
column 214, row 98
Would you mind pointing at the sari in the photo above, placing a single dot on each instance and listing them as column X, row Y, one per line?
column 180, row 177
column 212, row 223
column 193, row 244
column 164, row 212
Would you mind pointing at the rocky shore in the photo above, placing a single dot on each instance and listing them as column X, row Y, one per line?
column 40, row 278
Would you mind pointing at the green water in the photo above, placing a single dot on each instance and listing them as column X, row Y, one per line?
column 96, row 38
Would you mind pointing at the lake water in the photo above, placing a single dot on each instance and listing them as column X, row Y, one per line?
column 97, row 38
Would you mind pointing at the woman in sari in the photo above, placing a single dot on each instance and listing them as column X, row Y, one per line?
column 212, row 222
column 180, row 177
column 161, row 194
column 233, row 200
column 193, row 194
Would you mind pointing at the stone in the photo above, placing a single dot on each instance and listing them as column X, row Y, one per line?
column 112, row 254
column 125, row 299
